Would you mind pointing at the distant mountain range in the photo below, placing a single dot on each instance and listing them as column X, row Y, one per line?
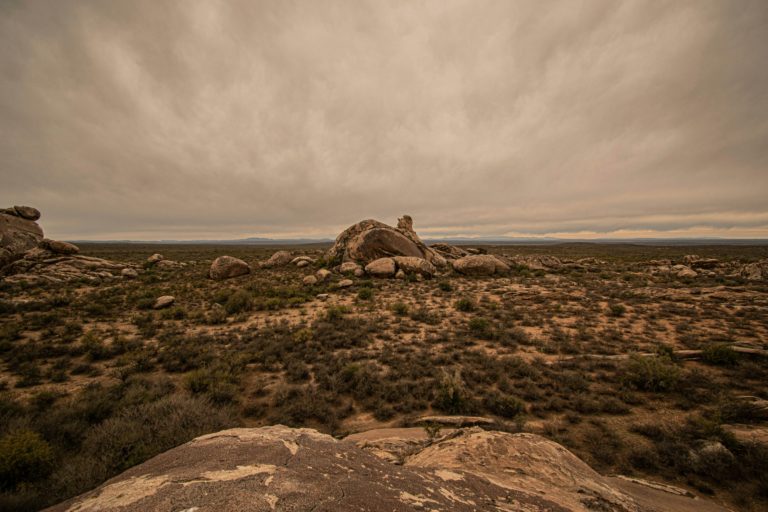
column 489, row 240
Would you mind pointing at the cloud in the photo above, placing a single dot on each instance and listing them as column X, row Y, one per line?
column 171, row 119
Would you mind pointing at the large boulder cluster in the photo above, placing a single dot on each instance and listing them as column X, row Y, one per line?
column 27, row 257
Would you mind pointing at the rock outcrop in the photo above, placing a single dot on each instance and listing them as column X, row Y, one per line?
column 18, row 233
column 370, row 239
column 537, row 262
column 225, row 267
column 27, row 257
column 280, row 468
column 448, row 251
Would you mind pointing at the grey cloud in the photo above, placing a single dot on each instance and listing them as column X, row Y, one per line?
column 171, row 119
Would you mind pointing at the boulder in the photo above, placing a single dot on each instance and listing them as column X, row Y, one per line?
column 369, row 240
column 27, row 212
column 686, row 272
column 279, row 259
column 280, row 468
column 480, row 265
column 448, row 251
column 310, row 280
column 58, row 247
column 382, row 267
column 155, row 258
column 17, row 236
column 348, row 267
column 298, row 259
column 302, row 263
column 225, row 267
column 345, row 283
column 323, row 274
column 164, row 302
column 413, row 265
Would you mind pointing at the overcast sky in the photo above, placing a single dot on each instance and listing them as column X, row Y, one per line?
column 222, row 119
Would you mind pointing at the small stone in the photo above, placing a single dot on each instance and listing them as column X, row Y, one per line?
column 345, row 283
column 302, row 263
column 400, row 275
column 323, row 274
column 155, row 258
column 348, row 267
column 164, row 301
column 310, row 280
column 322, row 296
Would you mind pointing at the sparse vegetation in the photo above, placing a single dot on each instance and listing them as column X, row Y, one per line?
column 93, row 377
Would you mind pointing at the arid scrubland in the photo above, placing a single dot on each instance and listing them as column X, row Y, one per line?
column 638, row 370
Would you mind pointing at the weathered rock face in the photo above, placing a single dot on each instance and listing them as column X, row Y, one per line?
column 18, row 234
column 279, row 468
column 480, row 265
column 369, row 240
column 225, row 267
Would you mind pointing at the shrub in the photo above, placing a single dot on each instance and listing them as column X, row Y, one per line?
column 465, row 305
column 617, row 310
column 445, row 286
column 451, row 395
column 365, row 294
column 720, row 354
column 25, row 457
column 655, row 373
column 481, row 328
column 238, row 302
column 503, row 405
column 400, row 308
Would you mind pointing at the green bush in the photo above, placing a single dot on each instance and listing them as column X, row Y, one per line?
column 365, row 294
column 238, row 302
column 481, row 328
column 656, row 373
column 503, row 405
column 25, row 457
column 465, row 305
column 451, row 395
column 617, row 310
column 720, row 354
column 400, row 308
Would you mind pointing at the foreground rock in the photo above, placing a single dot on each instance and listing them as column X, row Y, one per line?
column 480, row 265
column 279, row 468
column 58, row 247
column 225, row 267
column 370, row 239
